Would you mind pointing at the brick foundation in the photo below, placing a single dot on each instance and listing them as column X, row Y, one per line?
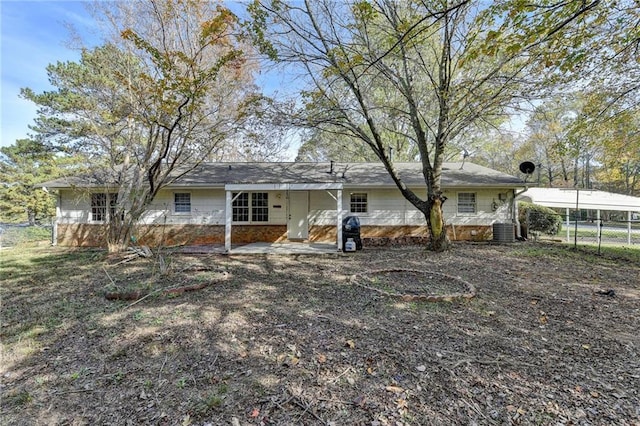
column 81, row 235
column 383, row 235
column 89, row 235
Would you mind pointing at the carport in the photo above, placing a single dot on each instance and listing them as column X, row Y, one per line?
column 584, row 199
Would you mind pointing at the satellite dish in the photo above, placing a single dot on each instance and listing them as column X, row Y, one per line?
column 527, row 167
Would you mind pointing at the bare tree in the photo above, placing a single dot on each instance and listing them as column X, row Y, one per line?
column 444, row 66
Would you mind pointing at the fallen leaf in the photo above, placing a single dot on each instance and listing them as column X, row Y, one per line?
column 543, row 318
column 370, row 371
column 401, row 403
column 360, row 401
column 294, row 360
column 255, row 413
column 594, row 394
column 394, row 389
column 586, row 346
column 321, row 358
column 350, row 344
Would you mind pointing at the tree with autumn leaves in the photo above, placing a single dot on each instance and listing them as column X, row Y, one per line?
column 174, row 84
column 426, row 73
column 164, row 95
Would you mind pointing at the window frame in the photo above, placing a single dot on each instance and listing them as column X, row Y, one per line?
column 359, row 202
column 466, row 203
column 253, row 210
column 246, row 209
column 182, row 203
column 100, row 207
column 259, row 207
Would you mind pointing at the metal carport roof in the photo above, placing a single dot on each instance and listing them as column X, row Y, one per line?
column 585, row 198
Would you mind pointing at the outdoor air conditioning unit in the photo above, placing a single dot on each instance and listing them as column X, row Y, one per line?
column 504, row 233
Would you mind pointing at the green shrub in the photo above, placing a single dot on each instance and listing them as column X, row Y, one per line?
column 539, row 218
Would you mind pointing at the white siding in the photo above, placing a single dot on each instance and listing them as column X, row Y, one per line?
column 207, row 208
column 385, row 207
column 75, row 207
column 485, row 213
column 388, row 207
column 277, row 215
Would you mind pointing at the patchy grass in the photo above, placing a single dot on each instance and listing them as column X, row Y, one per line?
column 13, row 235
column 583, row 252
column 291, row 340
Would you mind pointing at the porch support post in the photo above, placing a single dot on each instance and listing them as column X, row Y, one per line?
column 339, row 211
column 629, row 227
column 568, row 231
column 599, row 228
column 227, row 222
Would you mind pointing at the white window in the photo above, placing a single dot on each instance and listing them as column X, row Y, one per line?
column 467, row 202
column 358, row 202
column 240, row 207
column 182, row 202
column 99, row 203
column 259, row 207
column 257, row 210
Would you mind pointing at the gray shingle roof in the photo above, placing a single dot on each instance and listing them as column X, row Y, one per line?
column 349, row 174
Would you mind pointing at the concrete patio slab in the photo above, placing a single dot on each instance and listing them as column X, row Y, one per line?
column 285, row 248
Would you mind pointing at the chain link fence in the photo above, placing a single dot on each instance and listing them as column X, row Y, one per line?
column 582, row 228
column 12, row 235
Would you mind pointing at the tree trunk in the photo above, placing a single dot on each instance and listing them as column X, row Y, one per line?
column 31, row 217
column 435, row 221
column 119, row 234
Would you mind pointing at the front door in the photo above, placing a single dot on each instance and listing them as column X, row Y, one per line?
column 298, row 224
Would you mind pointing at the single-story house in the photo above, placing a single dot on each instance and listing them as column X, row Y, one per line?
column 225, row 203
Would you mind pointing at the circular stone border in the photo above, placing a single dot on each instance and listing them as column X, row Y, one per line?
column 470, row 293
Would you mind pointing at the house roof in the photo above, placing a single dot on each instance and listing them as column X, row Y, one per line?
column 585, row 199
column 349, row 174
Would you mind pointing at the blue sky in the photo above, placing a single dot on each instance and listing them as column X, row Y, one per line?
column 33, row 35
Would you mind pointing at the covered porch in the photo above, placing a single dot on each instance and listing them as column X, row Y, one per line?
column 296, row 211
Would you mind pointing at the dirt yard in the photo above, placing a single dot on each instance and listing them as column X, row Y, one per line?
column 552, row 337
